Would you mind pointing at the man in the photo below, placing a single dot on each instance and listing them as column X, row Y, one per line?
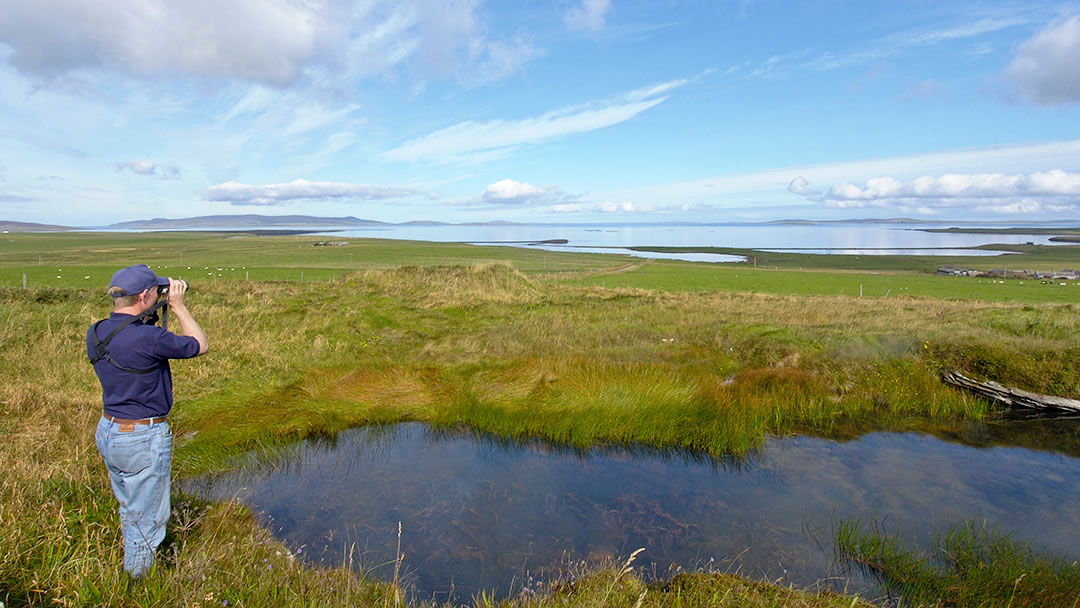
column 131, row 360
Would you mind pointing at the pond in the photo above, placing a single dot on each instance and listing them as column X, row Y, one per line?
column 478, row 513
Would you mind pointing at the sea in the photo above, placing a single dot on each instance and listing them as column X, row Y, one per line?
column 835, row 238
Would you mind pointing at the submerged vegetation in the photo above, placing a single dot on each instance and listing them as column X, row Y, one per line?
column 576, row 349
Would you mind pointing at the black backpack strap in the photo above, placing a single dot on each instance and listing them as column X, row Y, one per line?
column 101, row 347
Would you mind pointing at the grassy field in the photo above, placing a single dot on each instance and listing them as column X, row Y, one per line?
column 572, row 348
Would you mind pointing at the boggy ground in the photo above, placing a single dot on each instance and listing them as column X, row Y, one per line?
column 490, row 348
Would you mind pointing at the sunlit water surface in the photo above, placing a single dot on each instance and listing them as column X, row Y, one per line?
column 477, row 513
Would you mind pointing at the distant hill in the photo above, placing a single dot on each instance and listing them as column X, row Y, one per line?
column 243, row 221
column 8, row 226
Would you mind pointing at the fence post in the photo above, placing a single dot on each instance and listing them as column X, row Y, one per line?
column 24, row 280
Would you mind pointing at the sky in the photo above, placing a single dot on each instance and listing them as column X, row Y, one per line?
column 567, row 111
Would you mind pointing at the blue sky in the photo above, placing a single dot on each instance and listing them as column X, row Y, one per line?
column 561, row 111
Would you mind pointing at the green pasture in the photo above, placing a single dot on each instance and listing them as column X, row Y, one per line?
column 701, row 277
column 88, row 259
column 577, row 349
column 81, row 260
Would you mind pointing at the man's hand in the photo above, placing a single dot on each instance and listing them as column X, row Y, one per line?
column 188, row 325
column 177, row 287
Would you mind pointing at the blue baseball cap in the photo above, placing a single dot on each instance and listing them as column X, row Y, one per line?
column 135, row 279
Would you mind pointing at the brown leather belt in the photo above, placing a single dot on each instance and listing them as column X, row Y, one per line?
column 150, row 421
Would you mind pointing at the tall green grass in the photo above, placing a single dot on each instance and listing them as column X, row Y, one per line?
column 968, row 565
column 487, row 346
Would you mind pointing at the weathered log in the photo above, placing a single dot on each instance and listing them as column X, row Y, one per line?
column 1011, row 396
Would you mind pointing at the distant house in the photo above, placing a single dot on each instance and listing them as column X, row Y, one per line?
column 955, row 271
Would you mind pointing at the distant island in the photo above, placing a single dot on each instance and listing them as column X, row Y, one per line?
column 279, row 224
column 8, row 226
column 243, row 221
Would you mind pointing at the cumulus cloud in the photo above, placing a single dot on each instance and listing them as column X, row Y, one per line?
column 301, row 189
column 150, row 168
column 623, row 207
column 269, row 42
column 153, row 37
column 1045, row 70
column 1045, row 191
column 800, row 186
column 978, row 185
column 508, row 192
column 472, row 141
column 589, row 15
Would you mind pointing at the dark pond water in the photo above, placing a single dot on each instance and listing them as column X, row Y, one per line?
column 478, row 513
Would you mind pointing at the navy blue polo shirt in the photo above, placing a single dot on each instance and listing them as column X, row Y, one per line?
column 138, row 346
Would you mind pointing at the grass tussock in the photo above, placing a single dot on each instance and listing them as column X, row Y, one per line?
column 484, row 346
column 969, row 565
column 441, row 286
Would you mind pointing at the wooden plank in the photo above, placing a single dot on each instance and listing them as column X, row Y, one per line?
column 1012, row 397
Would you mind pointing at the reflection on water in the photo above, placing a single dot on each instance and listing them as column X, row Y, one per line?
column 479, row 514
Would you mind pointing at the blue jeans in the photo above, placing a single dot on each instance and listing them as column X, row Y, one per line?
column 138, row 462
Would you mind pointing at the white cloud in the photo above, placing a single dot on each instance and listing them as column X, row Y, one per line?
column 623, row 207
column 1052, row 191
column 567, row 208
column 800, row 186
column 495, row 60
column 272, row 41
column 960, row 186
column 1045, row 69
column 1030, row 158
column 150, row 168
column 264, row 41
column 589, row 15
column 471, row 141
column 301, row 189
column 508, row 192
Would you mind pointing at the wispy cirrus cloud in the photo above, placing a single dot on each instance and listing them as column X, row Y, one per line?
column 867, row 52
column 300, row 189
column 473, row 141
column 11, row 197
column 587, row 15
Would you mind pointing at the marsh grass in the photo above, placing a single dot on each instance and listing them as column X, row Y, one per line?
column 969, row 564
column 488, row 348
